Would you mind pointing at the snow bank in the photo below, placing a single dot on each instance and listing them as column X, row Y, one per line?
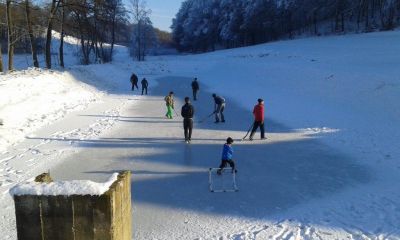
column 64, row 188
column 33, row 98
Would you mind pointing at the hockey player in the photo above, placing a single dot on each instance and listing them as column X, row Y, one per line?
column 187, row 113
column 219, row 107
column 134, row 81
column 145, row 84
column 258, row 113
column 227, row 153
column 169, row 102
column 195, row 88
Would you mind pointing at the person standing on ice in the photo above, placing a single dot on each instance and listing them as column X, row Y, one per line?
column 187, row 113
column 258, row 113
column 145, row 84
column 227, row 154
column 219, row 107
column 134, row 81
column 169, row 102
column 195, row 88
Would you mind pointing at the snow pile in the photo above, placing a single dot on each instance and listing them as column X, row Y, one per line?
column 64, row 188
column 34, row 98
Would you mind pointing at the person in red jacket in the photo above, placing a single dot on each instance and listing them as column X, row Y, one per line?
column 258, row 113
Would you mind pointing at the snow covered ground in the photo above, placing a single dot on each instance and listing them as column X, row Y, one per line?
column 329, row 169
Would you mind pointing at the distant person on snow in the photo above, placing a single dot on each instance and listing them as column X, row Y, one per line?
column 219, row 107
column 169, row 102
column 195, row 88
column 227, row 154
column 258, row 113
column 145, row 84
column 134, row 81
column 187, row 113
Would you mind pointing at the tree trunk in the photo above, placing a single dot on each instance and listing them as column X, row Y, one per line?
column 1, row 60
column 31, row 36
column 53, row 9
column 360, row 10
column 10, row 36
column 342, row 21
column 315, row 22
column 61, row 49
column 112, row 37
column 139, row 41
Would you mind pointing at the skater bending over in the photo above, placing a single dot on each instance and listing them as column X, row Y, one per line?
column 258, row 112
column 227, row 153
column 219, row 107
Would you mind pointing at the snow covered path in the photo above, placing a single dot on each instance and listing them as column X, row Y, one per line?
column 169, row 186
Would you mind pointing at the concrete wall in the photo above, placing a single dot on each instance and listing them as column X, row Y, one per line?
column 105, row 217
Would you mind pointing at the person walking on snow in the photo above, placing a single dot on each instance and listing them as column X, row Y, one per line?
column 187, row 113
column 169, row 102
column 134, row 81
column 145, row 84
column 195, row 88
column 258, row 113
column 219, row 107
column 227, row 154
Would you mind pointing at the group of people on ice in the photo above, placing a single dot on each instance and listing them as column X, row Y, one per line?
column 135, row 80
column 187, row 112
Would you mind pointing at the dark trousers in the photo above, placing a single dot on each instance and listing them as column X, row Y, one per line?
column 187, row 127
column 255, row 126
column 134, row 85
column 225, row 162
column 144, row 89
column 195, row 94
column 220, row 111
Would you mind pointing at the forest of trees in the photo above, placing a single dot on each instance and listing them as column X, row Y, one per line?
column 26, row 27
column 204, row 25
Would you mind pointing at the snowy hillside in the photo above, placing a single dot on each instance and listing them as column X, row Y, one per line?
column 328, row 170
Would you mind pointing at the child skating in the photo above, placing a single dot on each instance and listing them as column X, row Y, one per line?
column 227, row 154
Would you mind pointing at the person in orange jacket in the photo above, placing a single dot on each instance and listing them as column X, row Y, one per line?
column 258, row 113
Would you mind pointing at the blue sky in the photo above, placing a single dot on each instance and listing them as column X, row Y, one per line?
column 162, row 12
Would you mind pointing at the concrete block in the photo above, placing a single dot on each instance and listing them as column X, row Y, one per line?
column 104, row 217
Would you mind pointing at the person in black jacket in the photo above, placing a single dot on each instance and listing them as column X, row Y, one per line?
column 195, row 88
column 145, row 84
column 219, row 107
column 134, row 81
column 187, row 113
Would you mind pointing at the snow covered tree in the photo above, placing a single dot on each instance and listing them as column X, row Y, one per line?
column 247, row 22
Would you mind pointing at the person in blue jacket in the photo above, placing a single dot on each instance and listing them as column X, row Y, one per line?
column 227, row 153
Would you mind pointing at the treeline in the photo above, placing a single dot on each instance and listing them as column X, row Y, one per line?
column 27, row 26
column 204, row 25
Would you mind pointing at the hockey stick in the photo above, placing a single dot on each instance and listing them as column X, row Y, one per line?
column 202, row 120
column 248, row 131
column 176, row 112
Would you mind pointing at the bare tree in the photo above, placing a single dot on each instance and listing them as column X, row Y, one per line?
column 30, row 32
column 53, row 10
column 140, row 16
column 10, row 35
column 116, row 14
